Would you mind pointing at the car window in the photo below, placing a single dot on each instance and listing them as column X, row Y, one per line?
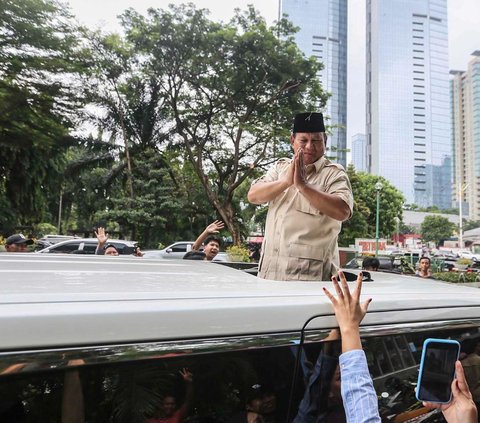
column 133, row 392
column 66, row 248
column 393, row 362
column 179, row 248
column 89, row 248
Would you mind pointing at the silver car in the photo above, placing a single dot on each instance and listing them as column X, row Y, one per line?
column 174, row 251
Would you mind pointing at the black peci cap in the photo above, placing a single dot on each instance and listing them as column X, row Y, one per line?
column 308, row 122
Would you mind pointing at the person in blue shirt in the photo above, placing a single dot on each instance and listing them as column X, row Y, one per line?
column 358, row 393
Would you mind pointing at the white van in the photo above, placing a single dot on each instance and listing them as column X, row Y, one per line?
column 108, row 339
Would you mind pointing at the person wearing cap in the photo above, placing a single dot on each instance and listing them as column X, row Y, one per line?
column 308, row 199
column 104, row 248
column 17, row 243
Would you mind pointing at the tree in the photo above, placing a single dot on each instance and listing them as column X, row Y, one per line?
column 40, row 59
column 436, row 229
column 231, row 90
column 362, row 223
column 471, row 224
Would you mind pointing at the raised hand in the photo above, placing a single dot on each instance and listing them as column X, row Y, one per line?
column 348, row 310
column 186, row 375
column 101, row 235
column 215, row 227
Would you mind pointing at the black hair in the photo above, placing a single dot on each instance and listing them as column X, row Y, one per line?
column 215, row 238
column 371, row 262
column 194, row 255
column 425, row 257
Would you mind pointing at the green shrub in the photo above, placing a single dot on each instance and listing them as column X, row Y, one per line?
column 238, row 253
column 456, row 277
column 43, row 229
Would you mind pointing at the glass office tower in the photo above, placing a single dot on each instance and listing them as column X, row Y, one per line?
column 408, row 116
column 359, row 152
column 323, row 34
column 465, row 106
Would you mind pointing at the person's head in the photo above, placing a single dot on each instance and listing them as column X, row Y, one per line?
column 309, row 135
column 168, row 406
column 424, row 263
column 110, row 250
column 17, row 243
column 370, row 263
column 211, row 247
column 261, row 400
column 194, row 255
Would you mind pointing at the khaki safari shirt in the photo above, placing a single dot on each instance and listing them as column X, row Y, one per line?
column 301, row 242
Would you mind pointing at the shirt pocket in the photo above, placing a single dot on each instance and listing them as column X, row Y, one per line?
column 304, row 262
column 302, row 205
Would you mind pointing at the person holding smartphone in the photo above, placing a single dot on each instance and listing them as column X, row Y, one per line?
column 461, row 409
column 358, row 394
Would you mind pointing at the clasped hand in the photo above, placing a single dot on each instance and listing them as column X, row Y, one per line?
column 296, row 173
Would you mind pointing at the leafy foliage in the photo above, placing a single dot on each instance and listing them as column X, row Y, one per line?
column 231, row 90
column 436, row 228
column 362, row 223
column 40, row 59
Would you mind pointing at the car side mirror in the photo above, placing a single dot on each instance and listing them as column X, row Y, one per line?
column 169, row 250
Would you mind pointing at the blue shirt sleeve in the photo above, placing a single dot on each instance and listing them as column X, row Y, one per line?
column 358, row 394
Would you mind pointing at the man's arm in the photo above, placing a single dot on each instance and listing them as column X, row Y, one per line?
column 213, row 228
column 330, row 204
column 263, row 192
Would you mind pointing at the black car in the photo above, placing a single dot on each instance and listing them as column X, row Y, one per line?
column 88, row 246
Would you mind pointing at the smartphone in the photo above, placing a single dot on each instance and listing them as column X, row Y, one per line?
column 437, row 370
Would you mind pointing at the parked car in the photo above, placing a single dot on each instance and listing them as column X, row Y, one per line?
column 80, row 334
column 175, row 251
column 386, row 263
column 468, row 255
column 88, row 246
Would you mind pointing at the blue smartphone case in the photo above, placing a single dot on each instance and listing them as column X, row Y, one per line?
column 422, row 362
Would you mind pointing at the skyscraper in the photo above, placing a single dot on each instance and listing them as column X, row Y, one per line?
column 408, row 108
column 323, row 34
column 359, row 152
column 465, row 108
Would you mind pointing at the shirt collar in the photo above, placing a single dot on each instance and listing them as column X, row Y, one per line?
column 316, row 165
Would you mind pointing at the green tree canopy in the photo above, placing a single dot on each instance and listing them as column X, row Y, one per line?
column 40, row 58
column 231, row 90
column 436, row 228
column 362, row 223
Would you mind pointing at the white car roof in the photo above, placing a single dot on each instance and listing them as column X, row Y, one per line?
column 65, row 300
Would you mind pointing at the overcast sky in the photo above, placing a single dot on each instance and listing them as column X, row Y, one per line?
column 464, row 34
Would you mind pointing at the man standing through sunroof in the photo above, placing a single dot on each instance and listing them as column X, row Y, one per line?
column 308, row 199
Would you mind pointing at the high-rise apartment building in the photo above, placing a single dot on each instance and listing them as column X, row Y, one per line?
column 323, row 34
column 408, row 108
column 359, row 152
column 465, row 110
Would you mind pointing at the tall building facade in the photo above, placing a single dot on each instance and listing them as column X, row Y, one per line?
column 359, row 152
column 465, row 112
column 323, row 34
column 408, row 107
